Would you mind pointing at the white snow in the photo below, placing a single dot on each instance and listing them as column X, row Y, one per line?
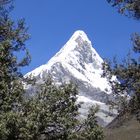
column 80, row 60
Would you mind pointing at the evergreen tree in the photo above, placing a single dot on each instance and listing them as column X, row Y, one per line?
column 12, row 40
column 52, row 114
column 128, row 72
column 89, row 128
column 3, row 2
column 129, row 8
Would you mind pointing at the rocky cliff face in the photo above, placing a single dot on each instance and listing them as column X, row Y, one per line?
column 78, row 62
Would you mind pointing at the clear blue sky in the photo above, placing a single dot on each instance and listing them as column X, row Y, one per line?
column 52, row 22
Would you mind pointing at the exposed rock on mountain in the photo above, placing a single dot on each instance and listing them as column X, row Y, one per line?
column 78, row 62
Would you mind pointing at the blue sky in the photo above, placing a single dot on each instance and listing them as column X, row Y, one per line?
column 52, row 22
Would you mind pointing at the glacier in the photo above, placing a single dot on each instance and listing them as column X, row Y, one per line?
column 78, row 61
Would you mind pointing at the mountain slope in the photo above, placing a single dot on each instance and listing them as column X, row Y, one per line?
column 123, row 128
column 78, row 62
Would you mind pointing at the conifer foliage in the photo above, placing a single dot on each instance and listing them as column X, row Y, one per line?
column 130, row 8
column 52, row 114
column 12, row 39
column 127, row 72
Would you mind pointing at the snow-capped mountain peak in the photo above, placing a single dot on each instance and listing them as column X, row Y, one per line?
column 79, row 34
column 78, row 43
column 79, row 62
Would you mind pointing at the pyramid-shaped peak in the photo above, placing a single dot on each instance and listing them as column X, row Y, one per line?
column 77, row 42
column 78, row 49
column 78, row 62
column 79, row 33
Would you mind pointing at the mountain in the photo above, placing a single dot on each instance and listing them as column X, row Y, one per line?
column 79, row 62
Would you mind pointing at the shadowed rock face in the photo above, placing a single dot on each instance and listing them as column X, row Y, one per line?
column 78, row 62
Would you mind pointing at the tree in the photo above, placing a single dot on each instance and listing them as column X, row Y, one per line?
column 12, row 40
column 128, row 72
column 89, row 128
column 129, row 8
column 52, row 113
column 3, row 2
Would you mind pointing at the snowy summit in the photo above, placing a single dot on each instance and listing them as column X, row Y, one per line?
column 79, row 62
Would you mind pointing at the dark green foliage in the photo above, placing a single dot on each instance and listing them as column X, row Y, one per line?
column 89, row 128
column 130, row 8
column 128, row 75
column 12, row 39
column 52, row 114
column 128, row 72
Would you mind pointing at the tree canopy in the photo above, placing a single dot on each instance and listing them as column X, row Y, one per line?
column 130, row 8
column 52, row 113
column 127, row 72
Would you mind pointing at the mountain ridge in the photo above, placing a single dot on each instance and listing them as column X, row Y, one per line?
column 79, row 62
